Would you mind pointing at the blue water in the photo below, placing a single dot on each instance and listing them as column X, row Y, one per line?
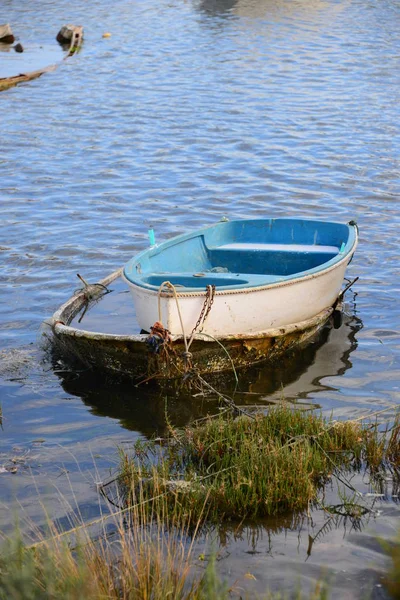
column 192, row 111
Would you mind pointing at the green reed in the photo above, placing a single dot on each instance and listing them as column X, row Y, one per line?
column 253, row 467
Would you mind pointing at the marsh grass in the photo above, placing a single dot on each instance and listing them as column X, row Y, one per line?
column 222, row 467
column 90, row 572
column 166, row 490
column 140, row 560
column 254, row 467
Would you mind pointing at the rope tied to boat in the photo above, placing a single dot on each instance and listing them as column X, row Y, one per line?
column 170, row 287
column 187, row 356
column 159, row 339
column 91, row 292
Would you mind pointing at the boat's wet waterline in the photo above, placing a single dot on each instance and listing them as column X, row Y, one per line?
column 189, row 112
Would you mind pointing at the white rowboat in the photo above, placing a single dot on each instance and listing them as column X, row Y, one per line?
column 241, row 277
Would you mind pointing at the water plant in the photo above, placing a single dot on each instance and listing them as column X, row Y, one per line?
column 93, row 573
column 151, row 557
column 251, row 467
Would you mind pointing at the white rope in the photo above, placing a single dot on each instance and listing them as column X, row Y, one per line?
column 169, row 285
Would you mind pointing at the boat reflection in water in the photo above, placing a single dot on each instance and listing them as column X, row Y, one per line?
column 301, row 374
column 296, row 377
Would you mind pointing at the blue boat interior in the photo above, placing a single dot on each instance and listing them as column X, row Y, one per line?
column 240, row 254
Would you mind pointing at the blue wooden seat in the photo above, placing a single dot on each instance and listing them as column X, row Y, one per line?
column 270, row 259
column 242, row 246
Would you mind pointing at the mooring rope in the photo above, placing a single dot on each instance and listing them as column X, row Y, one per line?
column 169, row 285
column 205, row 311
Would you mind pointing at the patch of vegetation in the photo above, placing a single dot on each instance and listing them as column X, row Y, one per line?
column 251, row 467
column 219, row 468
column 141, row 562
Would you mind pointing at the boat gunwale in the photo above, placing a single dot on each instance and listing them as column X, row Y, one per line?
column 243, row 290
column 301, row 276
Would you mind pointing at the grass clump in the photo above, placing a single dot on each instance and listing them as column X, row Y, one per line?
column 141, row 562
column 252, row 467
column 98, row 571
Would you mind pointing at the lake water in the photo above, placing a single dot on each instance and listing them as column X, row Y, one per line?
column 190, row 111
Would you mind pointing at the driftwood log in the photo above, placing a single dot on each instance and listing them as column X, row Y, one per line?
column 6, row 34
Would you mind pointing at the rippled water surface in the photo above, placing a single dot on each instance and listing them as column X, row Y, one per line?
column 192, row 111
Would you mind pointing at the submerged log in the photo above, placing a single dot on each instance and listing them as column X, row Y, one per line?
column 6, row 34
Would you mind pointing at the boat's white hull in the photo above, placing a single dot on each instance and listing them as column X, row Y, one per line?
column 243, row 311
